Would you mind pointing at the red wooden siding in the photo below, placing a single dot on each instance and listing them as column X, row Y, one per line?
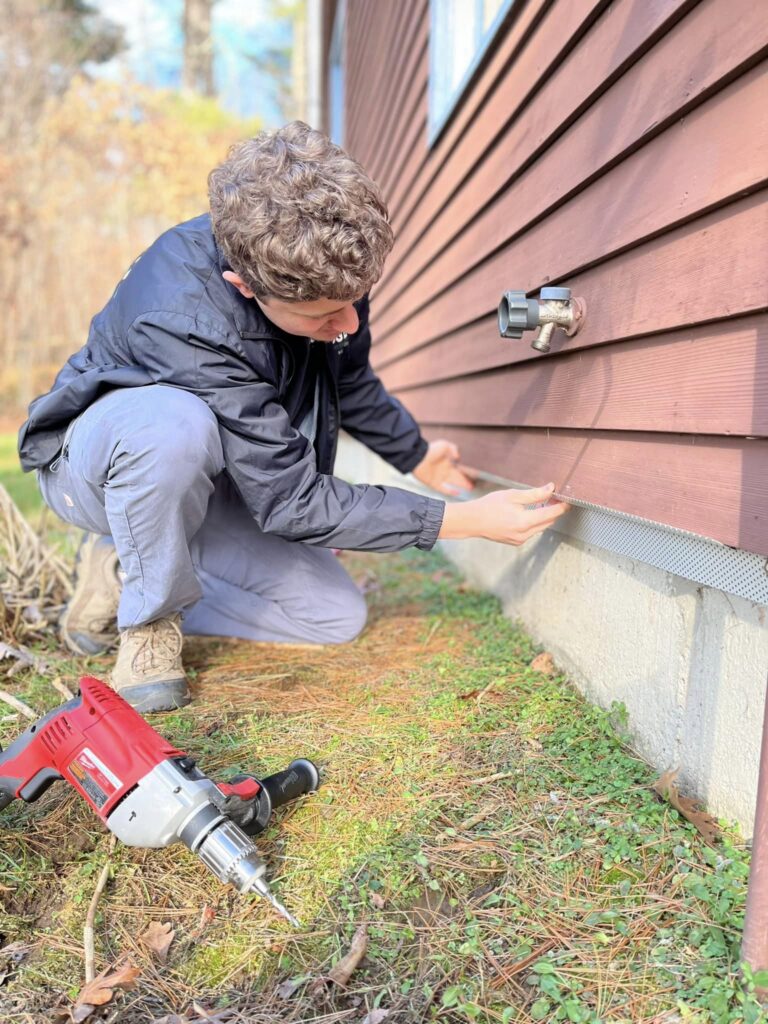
column 621, row 149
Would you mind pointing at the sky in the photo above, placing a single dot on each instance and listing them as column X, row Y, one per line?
column 240, row 27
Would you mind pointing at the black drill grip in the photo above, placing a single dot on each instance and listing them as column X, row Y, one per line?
column 300, row 777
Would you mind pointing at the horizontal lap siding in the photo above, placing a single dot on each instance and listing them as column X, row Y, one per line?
column 622, row 150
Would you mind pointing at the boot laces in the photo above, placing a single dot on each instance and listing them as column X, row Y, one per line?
column 159, row 646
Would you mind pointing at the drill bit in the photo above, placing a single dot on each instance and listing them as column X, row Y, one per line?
column 261, row 887
column 283, row 910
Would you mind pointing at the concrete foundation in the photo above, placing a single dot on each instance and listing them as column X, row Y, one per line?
column 688, row 662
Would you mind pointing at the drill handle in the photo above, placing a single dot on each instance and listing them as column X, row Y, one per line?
column 27, row 766
column 300, row 777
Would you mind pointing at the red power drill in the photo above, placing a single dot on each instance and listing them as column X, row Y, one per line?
column 147, row 792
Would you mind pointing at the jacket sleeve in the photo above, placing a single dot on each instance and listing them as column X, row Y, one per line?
column 271, row 464
column 368, row 412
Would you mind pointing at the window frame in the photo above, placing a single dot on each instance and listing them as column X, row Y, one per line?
column 337, row 75
column 437, row 122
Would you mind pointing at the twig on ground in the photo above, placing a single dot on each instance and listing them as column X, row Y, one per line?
column 90, row 953
column 435, row 626
column 19, row 705
column 58, row 684
column 475, row 819
column 489, row 778
column 23, row 658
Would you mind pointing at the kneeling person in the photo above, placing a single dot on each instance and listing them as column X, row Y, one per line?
column 194, row 434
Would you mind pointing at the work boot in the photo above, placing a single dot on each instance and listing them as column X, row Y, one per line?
column 88, row 624
column 148, row 672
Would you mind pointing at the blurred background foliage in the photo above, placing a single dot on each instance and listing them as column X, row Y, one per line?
column 92, row 168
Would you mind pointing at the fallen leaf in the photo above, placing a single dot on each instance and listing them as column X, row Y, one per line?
column 666, row 787
column 158, row 938
column 102, row 988
column 15, row 951
column 368, row 583
column 170, row 1018
column 286, row 988
column 215, row 1017
column 341, row 972
column 206, row 917
column 10, row 956
column 470, row 695
column 544, row 663
column 376, row 1016
column 377, row 900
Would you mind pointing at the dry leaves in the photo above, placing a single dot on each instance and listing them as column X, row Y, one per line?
column 544, row 663
column 207, row 915
column 341, row 972
column 10, row 956
column 291, row 985
column 378, row 901
column 102, row 988
column 375, row 1016
column 158, row 938
column 202, row 1016
column 666, row 787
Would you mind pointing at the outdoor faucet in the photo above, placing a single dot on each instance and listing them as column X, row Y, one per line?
column 553, row 308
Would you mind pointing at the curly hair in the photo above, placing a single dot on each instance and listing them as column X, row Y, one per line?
column 297, row 218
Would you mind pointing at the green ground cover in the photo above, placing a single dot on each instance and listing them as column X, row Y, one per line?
column 21, row 486
column 491, row 828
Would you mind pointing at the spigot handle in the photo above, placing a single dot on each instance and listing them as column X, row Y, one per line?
column 555, row 294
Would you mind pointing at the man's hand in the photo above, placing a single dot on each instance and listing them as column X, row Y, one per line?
column 440, row 470
column 502, row 516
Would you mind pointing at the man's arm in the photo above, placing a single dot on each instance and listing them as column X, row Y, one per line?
column 272, row 465
column 377, row 419
column 368, row 412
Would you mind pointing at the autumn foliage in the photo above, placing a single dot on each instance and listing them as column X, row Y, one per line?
column 90, row 174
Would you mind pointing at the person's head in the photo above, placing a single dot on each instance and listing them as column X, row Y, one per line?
column 302, row 226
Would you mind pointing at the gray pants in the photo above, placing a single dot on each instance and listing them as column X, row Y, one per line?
column 145, row 466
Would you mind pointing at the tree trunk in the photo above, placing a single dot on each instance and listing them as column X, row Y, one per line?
column 198, row 47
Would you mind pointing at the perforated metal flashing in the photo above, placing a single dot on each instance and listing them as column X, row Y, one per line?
column 696, row 558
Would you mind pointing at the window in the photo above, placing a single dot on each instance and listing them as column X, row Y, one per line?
column 460, row 33
column 336, row 75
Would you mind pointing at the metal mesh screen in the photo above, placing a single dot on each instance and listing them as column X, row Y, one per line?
column 685, row 554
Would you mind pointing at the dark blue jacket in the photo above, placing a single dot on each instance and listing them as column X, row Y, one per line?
column 174, row 320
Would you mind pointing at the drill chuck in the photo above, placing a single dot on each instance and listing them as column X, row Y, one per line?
column 232, row 857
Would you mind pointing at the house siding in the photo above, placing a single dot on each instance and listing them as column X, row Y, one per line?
column 622, row 150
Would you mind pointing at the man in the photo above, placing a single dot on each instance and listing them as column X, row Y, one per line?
column 194, row 434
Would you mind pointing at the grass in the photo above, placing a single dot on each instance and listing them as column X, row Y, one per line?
column 21, row 486
column 490, row 826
